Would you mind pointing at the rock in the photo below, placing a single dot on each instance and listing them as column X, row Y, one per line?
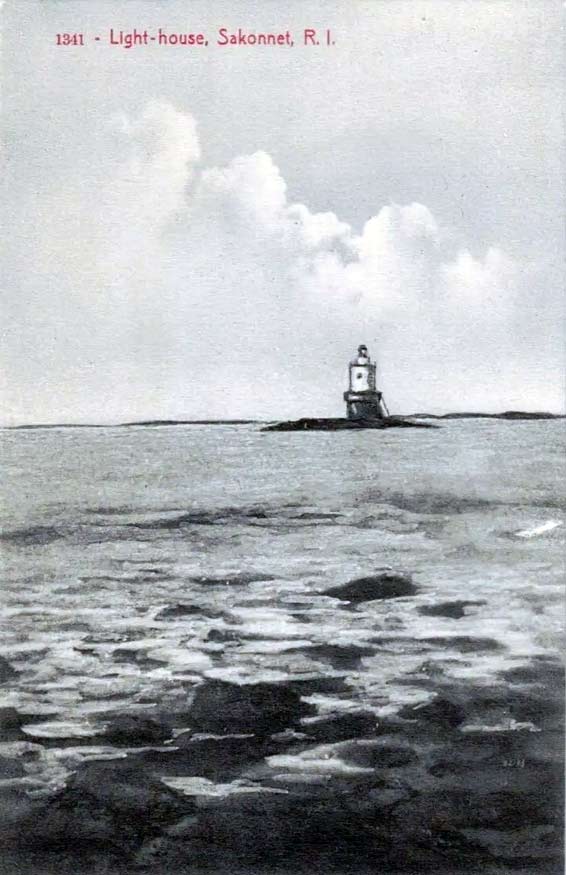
column 340, row 727
column 122, row 786
column 135, row 730
column 16, row 810
column 269, row 832
column 110, row 806
column 223, row 636
column 540, row 842
column 7, row 671
column 315, row 516
column 452, row 610
column 540, row 670
column 10, row 724
column 343, row 657
column 463, row 643
column 188, row 609
column 503, row 705
column 178, row 610
column 379, row 753
column 10, row 768
column 219, row 758
column 383, row 585
column 339, row 424
column 322, row 684
column 441, row 713
column 380, row 798
column 137, row 657
column 264, row 708
column 455, row 808
column 370, row 826
column 536, row 694
column 543, row 708
column 465, row 755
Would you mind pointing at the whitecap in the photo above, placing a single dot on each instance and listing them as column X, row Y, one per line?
column 319, row 760
column 60, row 729
column 273, row 647
column 245, row 675
column 197, row 786
column 509, row 725
column 180, row 659
column 549, row 526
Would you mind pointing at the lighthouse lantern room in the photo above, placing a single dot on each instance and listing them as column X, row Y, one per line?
column 363, row 401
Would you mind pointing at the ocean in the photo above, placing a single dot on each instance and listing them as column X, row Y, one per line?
column 142, row 564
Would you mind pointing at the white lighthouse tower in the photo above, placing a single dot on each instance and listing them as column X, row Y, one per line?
column 363, row 401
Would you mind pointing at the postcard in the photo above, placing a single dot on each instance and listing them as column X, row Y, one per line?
column 282, row 438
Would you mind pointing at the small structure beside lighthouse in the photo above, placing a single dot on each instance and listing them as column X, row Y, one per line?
column 363, row 401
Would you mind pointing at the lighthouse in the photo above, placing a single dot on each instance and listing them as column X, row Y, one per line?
column 363, row 401
column 365, row 405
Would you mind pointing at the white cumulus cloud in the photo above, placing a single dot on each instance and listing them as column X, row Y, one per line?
column 205, row 291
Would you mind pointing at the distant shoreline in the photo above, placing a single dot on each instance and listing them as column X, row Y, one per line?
column 150, row 423
column 508, row 415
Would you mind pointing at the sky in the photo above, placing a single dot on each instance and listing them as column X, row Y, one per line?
column 210, row 232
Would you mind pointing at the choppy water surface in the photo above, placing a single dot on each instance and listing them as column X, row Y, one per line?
column 138, row 561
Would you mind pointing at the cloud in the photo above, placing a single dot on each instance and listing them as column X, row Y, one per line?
column 195, row 291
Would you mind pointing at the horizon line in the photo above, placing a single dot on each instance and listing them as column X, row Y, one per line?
column 545, row 414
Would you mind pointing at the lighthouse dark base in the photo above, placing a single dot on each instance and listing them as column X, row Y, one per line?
column 363, row 405
column 374, row 423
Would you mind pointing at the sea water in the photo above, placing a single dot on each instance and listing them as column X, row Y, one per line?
column 137, row 561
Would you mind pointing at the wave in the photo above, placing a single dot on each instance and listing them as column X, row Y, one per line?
column 542, row 529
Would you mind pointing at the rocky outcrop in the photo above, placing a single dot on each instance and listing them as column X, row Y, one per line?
column 11, row 723
column 342, row 657
column 452, row 610
column 469, row 779
column 381, row 585
column 340, row 727
column 310, row 424
column 218, row 758
column 7, row 671
column 357, row 806
column 439, row 714
column 262, row 708
column 108, row 807
column 133, row 730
